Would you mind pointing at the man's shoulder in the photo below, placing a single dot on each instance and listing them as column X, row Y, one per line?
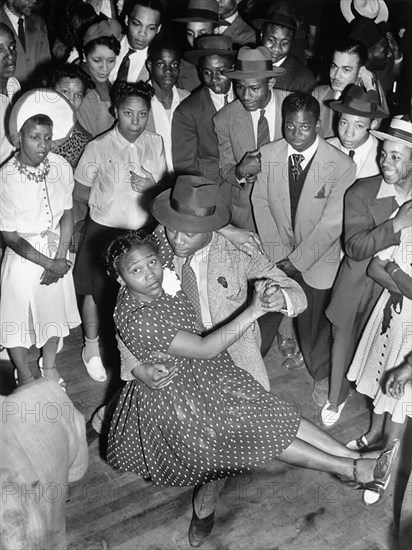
column 321, row 91
column 277, row 148
column 367, row 186
column 327, row 151
column 192, row 101
column 230, row 111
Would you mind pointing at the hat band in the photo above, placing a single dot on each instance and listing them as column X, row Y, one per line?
column 395, row 132
column 184, row 209
column 362, row 105
column 202, row 14
column 253, row 66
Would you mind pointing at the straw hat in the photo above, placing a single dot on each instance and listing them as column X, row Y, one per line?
column 376, row 10
column 400, row 130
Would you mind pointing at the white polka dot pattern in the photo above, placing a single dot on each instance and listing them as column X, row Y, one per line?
column 213, row 421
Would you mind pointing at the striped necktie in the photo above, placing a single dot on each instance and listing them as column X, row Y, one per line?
column 296, row 166
column 190, row 288
column 263, row 135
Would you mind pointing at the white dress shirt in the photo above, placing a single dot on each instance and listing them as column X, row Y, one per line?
column 137, row 61
column 365, row 156
column 270, row 114
column 308, row 154
column 219, row 99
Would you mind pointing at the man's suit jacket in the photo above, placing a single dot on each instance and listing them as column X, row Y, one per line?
column 328, row 117
column 188, row 78
column 369, row 166
column 234, row 129
column 37, row 47
column 367, row 230
column 297, row 78
column 241, row 33
column 313, row 245
column 194, row 141
column 228, row 273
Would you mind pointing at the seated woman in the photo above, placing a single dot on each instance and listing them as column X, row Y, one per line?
column 117, row 176
column 214, row 420
column 100, row 47
column 38, row 303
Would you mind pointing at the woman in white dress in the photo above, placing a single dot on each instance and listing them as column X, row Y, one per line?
column 38, row 305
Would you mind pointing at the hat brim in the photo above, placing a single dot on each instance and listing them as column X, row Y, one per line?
column 258, row 24
column 167, row 216
column 342, row 108
column 346, row 9
column 384, row 136
column 193, row 56
column 198, row 19
column 241, row 75
column 42, row 101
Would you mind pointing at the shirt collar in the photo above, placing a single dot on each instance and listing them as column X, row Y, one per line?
column 279, row 63
column 230, row 94
column 232, row 17
column 307, row 153
column 387, row 190
column 361, row 149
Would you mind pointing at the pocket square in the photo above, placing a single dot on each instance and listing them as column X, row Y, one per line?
column 321, row 193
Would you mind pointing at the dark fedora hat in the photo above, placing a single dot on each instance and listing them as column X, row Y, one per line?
column 193, row 205
column 253, row 63
column 366, row 31
column 215, row 44
column 355, row 101
column 277, row 17
column 202, row 11
column 400, row 130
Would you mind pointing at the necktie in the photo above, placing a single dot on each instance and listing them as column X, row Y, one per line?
column 351, row 153
column 124, row 66
column 263, row 135
column 190, row 288
column 296, row 166
column 22, row 36
column 226, row 99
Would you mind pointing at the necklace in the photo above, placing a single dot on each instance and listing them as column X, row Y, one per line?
column 37, row 174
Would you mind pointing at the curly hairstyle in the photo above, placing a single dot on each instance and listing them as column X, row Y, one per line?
column 68, row 70
column 123, row 244
column 123, row 90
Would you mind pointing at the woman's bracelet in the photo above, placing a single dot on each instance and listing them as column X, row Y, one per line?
column 394, row 271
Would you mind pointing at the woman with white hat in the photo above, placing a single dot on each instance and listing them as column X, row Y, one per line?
column 38, row 305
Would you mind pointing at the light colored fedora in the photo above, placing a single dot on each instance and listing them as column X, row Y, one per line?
column 400, row 130
column 376, row 10
column 253, row 63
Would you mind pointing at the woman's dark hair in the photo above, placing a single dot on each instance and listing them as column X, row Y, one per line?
column 109, row 41
column 40, row 119
column 75, row 19
column 123, row 90
column 350, row 45
column 68, row 70
column 120, row 246
column 301, row 101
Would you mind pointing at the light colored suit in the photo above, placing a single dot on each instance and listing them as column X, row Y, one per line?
column 228, row 273
column 369, row 166
column 234, row 129
column 313, row 246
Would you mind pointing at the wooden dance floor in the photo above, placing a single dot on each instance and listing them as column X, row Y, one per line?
column 275, row 508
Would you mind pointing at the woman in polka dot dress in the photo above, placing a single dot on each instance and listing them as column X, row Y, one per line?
column 386, row 342
column 214, row 420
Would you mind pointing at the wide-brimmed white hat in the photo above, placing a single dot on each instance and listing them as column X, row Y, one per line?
column 400, row 130
column 376, row 10
column 42, row 101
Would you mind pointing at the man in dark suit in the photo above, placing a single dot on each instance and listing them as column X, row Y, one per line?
column 238, row 30
column 31, row 38
column 368, row 230
column 194, row 142
column 245, row 125
column 298, row 208
column 277, row 31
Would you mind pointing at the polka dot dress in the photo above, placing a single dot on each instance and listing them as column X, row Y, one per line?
column 378, row 353
column 214, row 420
